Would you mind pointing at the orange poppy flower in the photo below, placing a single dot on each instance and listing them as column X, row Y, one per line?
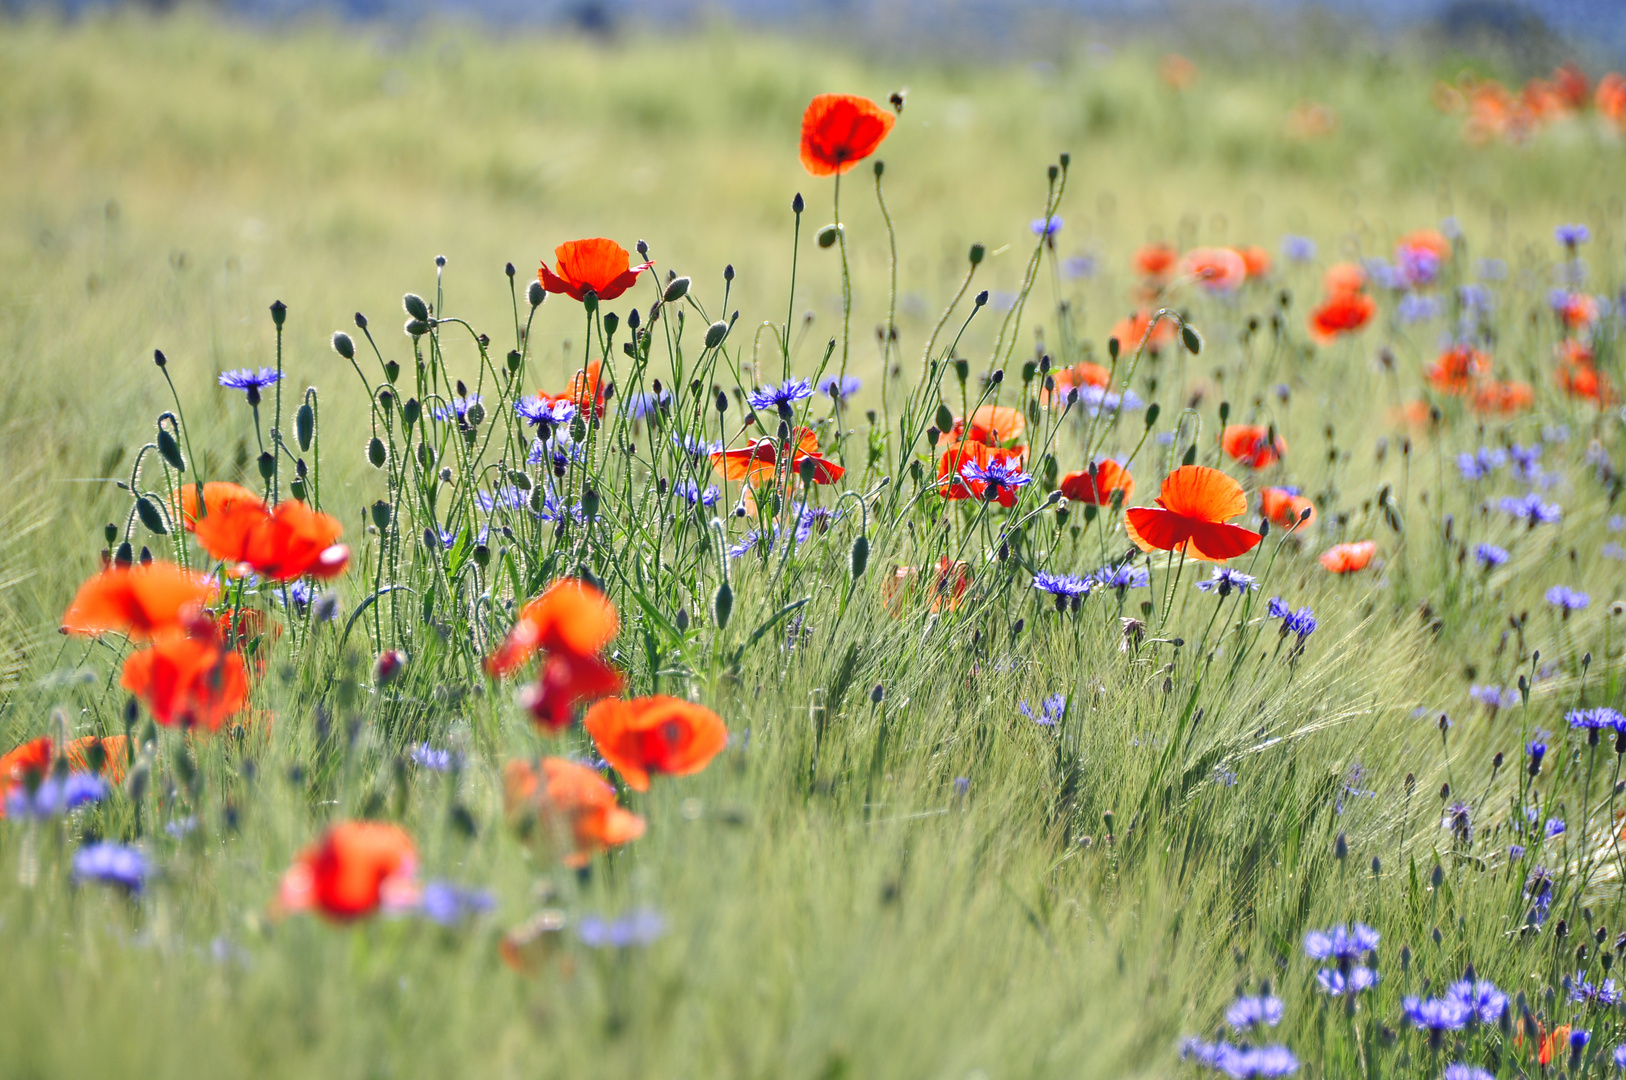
column 993, row 424
column 219, row 497
column 1098, row 490
column 1136, row 332
column 1348, row 558
column 840, row 130
column 31, row 759
column 139, row 601
column 1570, row 84
column 1430, row 240
column 570, row 616
column 567, row 680
column 1216, row 269
column 295, row 541
column 1176, row 71
column 949, row 585
column 115, row 755
column 1342, row 313
column 657, row 734
column 356, row 868
column 1504, row 398
column 1578, row 311
column 571, row 800
column 1156, row 260
column 188, row 681
column 1344, row 278
column 1457, row 369
column 1279, row 506
column 586, row 390
column 1255, row 260
column 599, row 266
column 1190, row 516
column 1251, row 444
column 1547, row 1044
column 1586, row 382
column 1610, row 98
column 758, row 460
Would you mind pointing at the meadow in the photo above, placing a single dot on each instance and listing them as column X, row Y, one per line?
column 1003, row 793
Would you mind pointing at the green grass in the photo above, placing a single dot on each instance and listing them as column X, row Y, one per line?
column 834, row 906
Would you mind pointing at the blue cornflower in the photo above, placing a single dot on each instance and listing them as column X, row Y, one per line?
column 1572, row 235
column 644, row 403
column 1095, row 400
column 1578, row 1041
column 1515, row 851
column 503, row 498
column 691, row 493
column 1531, row 510
column 1436, row 1014
column 1489, row 555
column 1620, row 1056
column 111, row 864
column 1604, row 993
column 53, row 797
column 1001, row 475
column 1298, row 248
column 1227, row 581
column 1613, row 551
column 1495, row 697
column 1477, row 466
column 1209, row 1055
column 1484, row 1001
column 1050, row 710
column 1616, row 523
column 1335, row 982
column 1262, row 1061
column 780, row 398
column 1341, row 942
column 1415, row 308
column 1417, row 266
column 1078, row 266
column 558, row 451
column 1459, row 819
column 1475, row 297
column 1463, row 1071
column 748, row 542
column 696, row 447
column 1064, row 587
column 839, row 387
column 1261, row 1011
column 1567, row 599
column 459, row 408
column 1596, row 719
column 181, row 828
column 1526, row 457
column 449, row 904
column 639, row 928
column 538, row 409
column 1122, row 578
column 1537, row 751
column 1301, row 622
column 1555, row 827
column 1277, row 608
column 432, row 759
column 250, row 380
column 1047, row 227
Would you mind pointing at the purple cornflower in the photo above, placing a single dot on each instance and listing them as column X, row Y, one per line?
column 1094, row 400
column 1338, row 984
column 1613, row 551
column 1572, row 235
column 1241, row 1061
column 1484, row 462
column 1046, row 227
column 1463, row 1071
column 1341, row 943
column 1616, row 523
column 1495, row 697
column 645, row 403
column 1604, row 993
column 1298, row 248
column 1064, row 587
column 1418, row 266
column 1531, row 510
column 840, row 388
column 1459, row 819
column 111, row 864
column 639, row 928
column 1567, row 599
column 1620, row 1056
column 1301, row 622
column 1555, row 827
column 1475, row 297
column 1277, row 608
column 1515, row 851
column 779, row 399
column 1227, row 581
column 1436, row 1015
column 1261, row 1011
column 695, row 447
column 1537, row 751
column 1123, row 578
column 449, row 904
column 53, row 797
column 1206, row 1054
column 1000, row 475
column 537, row 409
column 1489, row 555
column 1485, row 1003
column 1050, row 710
column 426, row 756
column 250, row 380
column 503, row 498
column 1596, row 719
column 1490, row 269
column 747, row 542
column 459, row 408
column 691, row 493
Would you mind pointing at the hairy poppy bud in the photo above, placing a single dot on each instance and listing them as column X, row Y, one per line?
column 932, row 435
column 828, row 235
column 382, row 511
column 944, row 418
column 159, row 358
column 305, row 426
column 376, row 453
column 416, row 328
column 977, row 252
column 797, row 205
column 391, row 370
column 411, row 411
column 1194, row 344
column 722, row 604
column 962, row 370
column 110, row 532
column 415, row 307
column 343, row 345
column 267, row 465
column 859, row 560
column 509, row 270
column 279, row 313
column 715, row 333
column 676, row 290
column 170, row 451
column 536, row 294
column 475, row 414
column 148, row 513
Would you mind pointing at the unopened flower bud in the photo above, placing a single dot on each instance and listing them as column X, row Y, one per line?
column 390, row 664
column 415, row 307
column 343, row 345
column 536, row 294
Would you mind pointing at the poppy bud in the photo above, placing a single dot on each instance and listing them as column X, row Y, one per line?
column 111, row 532
column 170, row 450
column 1340, row 848
column 722, row 604
column 124, row 555
column 279, row 313
column 977, row 252
column 1377, row 866
column 962, row 370
column 509, row 270
column 715, row 333
column 415, row 328
column 589, row 503
column 415, row 307
column 1194, row 344
column 859, row 560
column 643, row 249
column 267, row 465
column 296, row 488
column 676, row 290
column 805, row 470
column 391, row 370
column 391, row 662
column 305, row 426
column 828, row 235
column 411, row 411
column 722, row 402
column 797, row 205
column 482, row 555
column 682, row 620
column 611, row 322
column 475, row 415
column 932, row 435
column 728, row 272
column 148, row 513
column 997, row 377
column 981, row 299
column 536, row 294
column 343, row 345
column 376, row 453
column 944, row 418
column 430, row 540
column 877, row 695
column 381, row 514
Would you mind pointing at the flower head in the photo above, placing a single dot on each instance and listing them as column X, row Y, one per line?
column 1192, row 508
column 638, row 928
column 53, row 797
column 1226, row 581
column 1047, row 227
column 1341, row 942
column 1436, row 1014
column 1298, row 248
column 1572, row 235
column 1335, row 982
column 1567, row 599
column 840, row 388
column 250, row 380
column 1485, row 1003
column 449, row 904
column 1063, row 587
column 427, row 757
column 1531, row 510
column 780, row 399
column 1052, row 709
column 1122, row 577
column 597, row 266
column 1489, row 555
column 1261, row 1011
column 840, row 130
column 541, row 409
column 999, row 478
column 655, row 735
column 356, row 868
column 111, row 864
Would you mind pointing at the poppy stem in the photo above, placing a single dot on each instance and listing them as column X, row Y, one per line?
column 846, row 282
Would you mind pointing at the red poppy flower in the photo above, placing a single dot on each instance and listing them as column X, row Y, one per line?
column 1156, row 260
column 189, row 681
column 659, row 734
column 219, row 497
column 1348, row 558
column 1457, row 369
column 758, row 461
column 570, row 616
column 30, row 760
column 1190, row 516
column 586, row 390
column 1504, row 398
column 1343, row 278
column 1582, row 380
column 1065, row 380
column 139, row 601
column 1577, row 311
column 1216, row 269
column 566, row 681
column 839, row 131
column 1252, row 445
column 1110, row 477
column 571, row 801
column 1137, row 332
column 598, row 266
column 993, row 424
column 1430, row 240
column 115, row 754
column 1342, row 313
column 1256, row 260
column 282, row 544
column 1282, row 507
column 1611, row 98
column 356, row 868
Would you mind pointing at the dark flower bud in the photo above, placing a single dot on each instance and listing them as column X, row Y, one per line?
column 877, row 695
column 440, row 262
column 797, row 205
column 1194, row 344
column 997, row 377
column 509, row 269
column 1377, row 867
column 722, row 604
column 535, row 294
column 382, row 512
column 361, row 321
column 715, row 333
column 643, row 249
column 932, row 435
column 170, row 450
column 1340, row 848
column 416, row 328
column 977, row 252
column 267, row 465
column 981, row 299
column 828, row 235
column 376, row 452
column 676, row 289
column 728, row 272
column 124, row 555
column 390, row 664
column 110, row 532
column 148, row 513
column 279, row 313
column 159, row 358
column 1437, row 878
column 611, row 322
column 415, row 307
column 722, row 402
column 880, row 167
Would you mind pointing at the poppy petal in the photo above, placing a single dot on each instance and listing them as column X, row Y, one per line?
column 1216, row 541
column 1152, row 529
column 1205, row 494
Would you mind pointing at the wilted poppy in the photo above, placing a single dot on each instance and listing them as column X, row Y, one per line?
column 840, row 130
column 356, row 868
column 1190, row 516
column 992, row 424
column 1255, row 260
column 659, row 734
column 1156, row 260
column 1281, row 506
column 571, row 800
column 139, row 601
column 188, row 680
column 1252, row 445
column 1341, row 313
column 1098, row 490
column 1343, row 278
column 1137, row 331
column 1216, row 269
column 1457, row 369
column 1503, row 398
column 1348, row 558
column 599, row 266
